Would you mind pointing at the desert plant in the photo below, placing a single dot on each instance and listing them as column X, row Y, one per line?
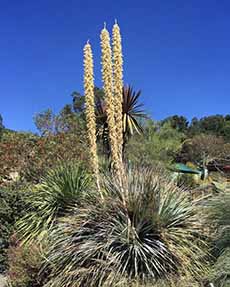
column 148, row 233
column 60, row 190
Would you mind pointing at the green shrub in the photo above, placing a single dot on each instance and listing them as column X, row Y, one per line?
column 220, row 274
column 32, row 156
column 143, row 231
column 219, row 220
column 12, row 207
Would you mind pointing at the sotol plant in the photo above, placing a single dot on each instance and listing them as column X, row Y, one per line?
column 152, row 234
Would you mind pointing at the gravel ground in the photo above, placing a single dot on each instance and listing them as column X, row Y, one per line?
column 2, row 281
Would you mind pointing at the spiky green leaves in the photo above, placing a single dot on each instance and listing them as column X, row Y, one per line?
column 153, row 235
column 60, row 190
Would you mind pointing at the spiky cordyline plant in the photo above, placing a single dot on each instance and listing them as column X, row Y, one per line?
column 107, row 76
column 118, row 85
column 132, row 111
column 131, row 116
column 60, row 190
column 153, row 235
column 89, row 109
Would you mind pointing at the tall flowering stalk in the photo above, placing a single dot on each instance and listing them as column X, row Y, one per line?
column 90, row 109
column 118, row 85
column 107, row 77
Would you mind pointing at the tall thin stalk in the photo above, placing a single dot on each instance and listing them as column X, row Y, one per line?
column 90, row 110
column 107, row 77
column 118, row 85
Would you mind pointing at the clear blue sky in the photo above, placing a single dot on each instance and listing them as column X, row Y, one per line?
column 176, row 51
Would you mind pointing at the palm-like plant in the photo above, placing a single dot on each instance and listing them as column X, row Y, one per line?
column 132, row 111
column 60, row 190
column 132, row 115
column 147, row 233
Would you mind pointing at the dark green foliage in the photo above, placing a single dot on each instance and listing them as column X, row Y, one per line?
column 45, row 122
column 12, row 207
column 66, row 120
column 79, row 100
column 194, row 128
column 158, row 143
column 213, row 124
column 144, row 230
column 179, row 123
column 217, row 125
column 226, row 131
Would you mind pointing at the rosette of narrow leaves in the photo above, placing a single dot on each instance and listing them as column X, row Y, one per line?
column 132, row 111
column 118, row 84
column 152, row 234
column 60, row 190
column 132, row 115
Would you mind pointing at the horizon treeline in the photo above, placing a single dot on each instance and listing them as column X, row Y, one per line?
column 47, row 122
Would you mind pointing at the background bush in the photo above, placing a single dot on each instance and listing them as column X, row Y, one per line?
column 12, row 207
column 219, row 221
column 25, row 263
